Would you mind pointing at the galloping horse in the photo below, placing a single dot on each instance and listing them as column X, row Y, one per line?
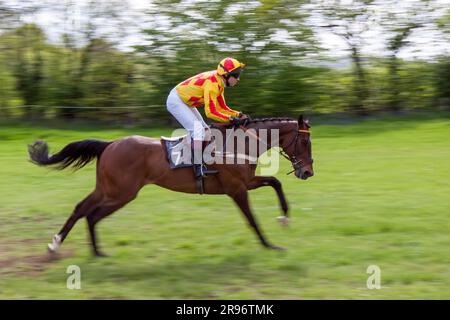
column 125, row 165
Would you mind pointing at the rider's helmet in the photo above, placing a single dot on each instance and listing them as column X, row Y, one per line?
column 230, row 67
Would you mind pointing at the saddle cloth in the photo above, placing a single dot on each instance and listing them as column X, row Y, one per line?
column 178, row 151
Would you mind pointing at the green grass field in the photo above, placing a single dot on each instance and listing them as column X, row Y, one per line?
column 380, row 196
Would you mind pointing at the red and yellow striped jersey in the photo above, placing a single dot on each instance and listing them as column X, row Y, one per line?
column 206, row 88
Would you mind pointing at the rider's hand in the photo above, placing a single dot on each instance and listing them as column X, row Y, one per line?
column 241, row 119
column 244, row 118
column 235, row 121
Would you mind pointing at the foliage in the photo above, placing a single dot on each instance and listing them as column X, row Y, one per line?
column 287, row 73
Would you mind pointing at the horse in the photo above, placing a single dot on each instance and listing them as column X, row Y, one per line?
column 125, row 165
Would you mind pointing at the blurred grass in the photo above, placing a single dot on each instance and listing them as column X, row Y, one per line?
column 380, row 196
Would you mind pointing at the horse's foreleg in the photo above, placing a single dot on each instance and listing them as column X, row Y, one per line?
column 260, row 181
column 241, row 199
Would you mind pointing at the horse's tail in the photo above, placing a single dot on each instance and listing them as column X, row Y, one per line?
column 76, row 154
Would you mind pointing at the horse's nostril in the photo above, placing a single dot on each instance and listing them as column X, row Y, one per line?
column 307, row 174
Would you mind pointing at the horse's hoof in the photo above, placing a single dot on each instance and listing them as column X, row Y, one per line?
column 99, row 254
column 53, row 247
column 274, row 247
column 283, row 220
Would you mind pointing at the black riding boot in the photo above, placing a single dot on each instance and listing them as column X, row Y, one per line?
column 200, row 169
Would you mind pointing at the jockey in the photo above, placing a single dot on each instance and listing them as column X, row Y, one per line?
column 206, row 89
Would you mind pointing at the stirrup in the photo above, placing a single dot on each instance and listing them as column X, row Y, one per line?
column 200, row 171
column 207, row 171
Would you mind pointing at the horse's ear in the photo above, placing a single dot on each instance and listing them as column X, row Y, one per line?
column 307, row 123
column 300, row 119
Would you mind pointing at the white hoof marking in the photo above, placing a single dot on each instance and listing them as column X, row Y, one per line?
column 52, row 247
column 283, row 220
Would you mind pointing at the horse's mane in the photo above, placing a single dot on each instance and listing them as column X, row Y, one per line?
column 280, row 119
column 257, row 120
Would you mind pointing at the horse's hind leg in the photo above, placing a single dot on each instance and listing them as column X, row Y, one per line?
column 82, row 209
column 101, row 212
column 93, row 219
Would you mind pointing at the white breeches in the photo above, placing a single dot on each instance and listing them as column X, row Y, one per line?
column 188, row 117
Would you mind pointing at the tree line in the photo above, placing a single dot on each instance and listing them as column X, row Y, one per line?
column 287, row 70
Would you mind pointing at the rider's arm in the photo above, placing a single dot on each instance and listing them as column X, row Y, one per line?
column 213, row 109
column 224, row 108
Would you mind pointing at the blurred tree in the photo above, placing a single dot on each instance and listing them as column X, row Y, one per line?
column 350, row 20
column 7, row 88
column 442, row 80
column 10, row 19
column 442, row 70
column 28, row 69
column 106, row 79
column 399, row 22
column 7, row 18
column 11, row 13
column 286, row 72
column 270, row 36
column 397, row 41
column 101, row 19
column 8, row 15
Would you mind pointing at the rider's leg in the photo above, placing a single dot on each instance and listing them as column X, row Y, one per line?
column 181, row 111
column 192, row 121
column 200, row 118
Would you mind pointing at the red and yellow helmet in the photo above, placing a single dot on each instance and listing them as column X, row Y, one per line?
column 227, row 65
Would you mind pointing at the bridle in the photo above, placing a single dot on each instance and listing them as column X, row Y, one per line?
column 296, row 163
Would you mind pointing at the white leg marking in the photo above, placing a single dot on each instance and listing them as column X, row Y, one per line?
column 283, row 220
column 52, row 247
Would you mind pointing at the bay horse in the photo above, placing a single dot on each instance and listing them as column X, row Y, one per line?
column 125, row 165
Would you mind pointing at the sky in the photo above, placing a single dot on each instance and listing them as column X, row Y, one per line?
column 425, row 44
